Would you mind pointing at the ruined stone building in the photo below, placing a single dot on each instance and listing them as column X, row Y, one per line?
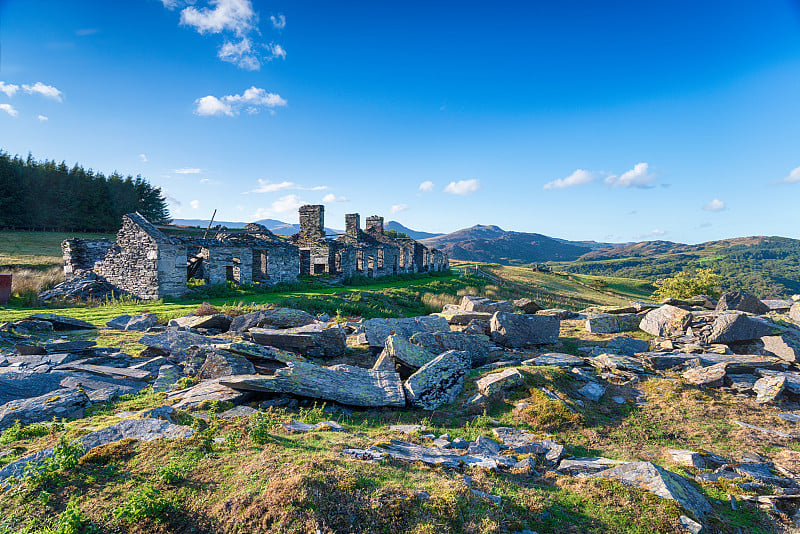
column 149, row 264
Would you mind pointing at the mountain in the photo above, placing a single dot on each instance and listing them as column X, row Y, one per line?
column 204, row 223
column 493, row 244
column 413, row 234
column 273, row 225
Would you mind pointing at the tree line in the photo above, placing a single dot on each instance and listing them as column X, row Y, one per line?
column 45, row 195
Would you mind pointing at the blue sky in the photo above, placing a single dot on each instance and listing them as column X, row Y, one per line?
column 612, row 121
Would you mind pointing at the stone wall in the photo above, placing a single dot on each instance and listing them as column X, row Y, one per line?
column 82, row 254
column 375, row 224
column 312, row 222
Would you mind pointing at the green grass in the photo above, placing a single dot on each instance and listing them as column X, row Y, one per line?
column 36, row 250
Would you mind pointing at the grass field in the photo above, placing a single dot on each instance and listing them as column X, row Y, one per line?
column 35, row 250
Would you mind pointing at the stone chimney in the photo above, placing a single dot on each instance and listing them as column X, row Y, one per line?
column 312, row 220
column 352, row 222
column 375, row 224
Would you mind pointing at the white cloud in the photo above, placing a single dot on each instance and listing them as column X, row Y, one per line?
column 655, row 233
column 9, row 89
column 47, row 91
column 793, row 177
column 265, row 186
column 278, row 22
column 204, row 180
column 171, row 4
column 277, row 51
column 240, row 54
column 187, row 171
column 426, row 186
column 8, row 108
column 579, row 177
column 236, row 16
column 253, row 100
column 42, row 118
column 330, row 197
column 715, row 205
column 397, row 208
column 639, row 176
column 195, row 204
column 143, row 157
column 462, row 187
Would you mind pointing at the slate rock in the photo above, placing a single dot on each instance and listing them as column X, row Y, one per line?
column 164, row 412
column 517, row 331
column 740, row 301
column 732, row 327
column 219, row 363
column 505, row 380
column 690, row 525
column 30, row 326
column 592, row 391
column 627, row 346
column 606, row 323
column 482, row 304
column 62, row 323
column 168, row 377
column 555, row 359
column 411, row 355
column 217, row 321
column 344, row 384
column 257, row 353
column 767, row 389
column 274, row 318
column 560, row 314
column 26, row 384
column 794, row 312
column 439, row 381
column 477, row 346
column 238, row 411
column 460, row 317
column 783, row 347
column 586, row 466
column 300, row 427
column 526, row 305
column 741, row 383
column 410, row 452
column 687, row 458
column 101, row 388
column 712, row 376
column 763, row 472
column 661, row 482
column 616, row 362
column 205, row 391
column 138, row 323
column 176, row 343
column 666, row 321
column 310, row 340
column 377, row 330
column 59, row 403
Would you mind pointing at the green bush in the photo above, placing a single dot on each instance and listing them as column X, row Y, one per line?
column 143, row 502
column 17, row 432
column 688, row 284
column 260, row 427
column 72, row 521
column 66, row 455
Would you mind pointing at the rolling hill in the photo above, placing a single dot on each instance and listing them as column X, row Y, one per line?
column 413, row 234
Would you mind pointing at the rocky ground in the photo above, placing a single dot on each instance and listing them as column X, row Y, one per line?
column 671, row 417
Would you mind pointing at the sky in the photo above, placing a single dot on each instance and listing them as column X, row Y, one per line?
column 608, row 121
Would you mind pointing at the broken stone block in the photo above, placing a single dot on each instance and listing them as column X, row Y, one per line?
column 576, row 466
column 460, row 317
column 477, row 346
column 592, row 391
column 62, row 323
column 740, row 301
column 30, row 327
column 627, row 346
column 687, row 458
column 794, row 311
column 731, row 327
column 498, row 382
column 300, row 427
column 616, row 362
column 258, row 353
column 138, row 323
column 607, row 323
column 409, row 452
column 26, row 384
column 691, row 526
column 712, row 376
column 560, row 314
column 168, row 377
column 275, row 318
column 238, row 411
column 124, row 373
column 59, row 403
column 344, row 384
column 526, row 305
column 219, row 363
column 783, row 347
column 661, row 482
column 555, row 359
column 666, row 321
column 217, row 321
column 439, row 381
column 311, row 340
column 767, row 389
column 740, row 383
column 175, row 342
column 482, row 304
column 377, row 330
column 403, row 351
column 517, row 331
column 205, row 391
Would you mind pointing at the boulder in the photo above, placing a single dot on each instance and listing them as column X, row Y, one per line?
column 311, row 340
column 592, row 391
column 217, row 321
column 526, row 305
column 344, row 384
column 168, row 377
column 556, row 359
column 477, row 345
column 61, row 322
column 586, row 466
column 205, row 391
column 219, row 363
column 102, row 388
column 275, row 318
column 732, row 327
column 740, row 301
column 122, row 373
column 138, row 429
column 409, row 452
column 377, row 330
column 482, row 304
column 402, row 351
column 781, row 306
column 29, row 327
column 300, row 427
column 138, row 323
column 460, row 317
column 558, row 313
column 627, row 346
column 661, row 482
column 64, row 402
column 175, row 342
column 768, row 388
column 607, row 323
column 783, row 347
column 794, row 311
column 26, row 384
column 616, row 362
column 666, row 321
column 517, row 331
column 498, row 382
column 712, row 376
column 439, row 381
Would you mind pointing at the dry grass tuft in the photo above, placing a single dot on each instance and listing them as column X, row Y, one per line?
column 206, row 309
column 544, row 413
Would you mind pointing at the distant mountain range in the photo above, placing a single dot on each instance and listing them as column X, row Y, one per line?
column 284, row 228
column 493, row 244
column 413, row 234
